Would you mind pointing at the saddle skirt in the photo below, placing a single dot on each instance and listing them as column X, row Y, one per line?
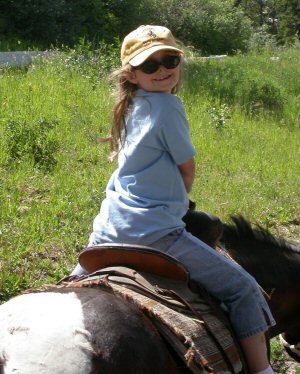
column 192, row 322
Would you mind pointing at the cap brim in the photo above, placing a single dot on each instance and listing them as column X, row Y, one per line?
column 142, row 57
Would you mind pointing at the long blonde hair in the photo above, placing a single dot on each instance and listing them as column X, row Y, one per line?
column 126, row 92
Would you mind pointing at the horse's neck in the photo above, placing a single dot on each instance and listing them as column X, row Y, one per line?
column 273, row 263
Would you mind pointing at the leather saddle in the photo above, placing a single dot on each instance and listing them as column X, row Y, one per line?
column 159, row 285
column 137, row 257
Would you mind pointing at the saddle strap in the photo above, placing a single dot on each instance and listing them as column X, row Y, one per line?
column 131, row 279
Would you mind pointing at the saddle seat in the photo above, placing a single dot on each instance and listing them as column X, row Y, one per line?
column 137, row 257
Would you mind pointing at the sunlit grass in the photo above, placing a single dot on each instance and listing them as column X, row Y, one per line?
column 249, row 166
column 247, row 161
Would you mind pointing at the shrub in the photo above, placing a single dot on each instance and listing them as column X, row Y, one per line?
column 87, row 59
column 263, row 95
column 35, row 141
column 212, row 27
column 261, row 40
column 60, row 21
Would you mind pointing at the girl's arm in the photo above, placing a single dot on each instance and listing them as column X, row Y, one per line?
column 188, row 170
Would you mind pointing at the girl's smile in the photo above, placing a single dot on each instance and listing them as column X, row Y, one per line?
column 163, row 78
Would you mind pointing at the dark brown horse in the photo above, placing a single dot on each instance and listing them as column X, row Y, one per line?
column 80, row 331
column 274, row 263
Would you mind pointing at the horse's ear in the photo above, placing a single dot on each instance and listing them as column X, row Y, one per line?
column 192, row 205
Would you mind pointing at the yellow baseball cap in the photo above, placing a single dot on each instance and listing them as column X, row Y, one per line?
column 144, row 41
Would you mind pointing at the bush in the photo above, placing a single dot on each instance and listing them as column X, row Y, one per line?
column 211, row 27
column 262, row 40
column 263, row 95
column 58, row 22
column 35, row 141
column 219, row 114
column 232, row 81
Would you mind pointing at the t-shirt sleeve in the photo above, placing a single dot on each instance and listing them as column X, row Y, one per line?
column 175, row 134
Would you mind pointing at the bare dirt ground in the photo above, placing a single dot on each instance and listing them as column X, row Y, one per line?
column 290, row 233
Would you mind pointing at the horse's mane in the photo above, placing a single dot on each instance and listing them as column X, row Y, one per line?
column 274, row 263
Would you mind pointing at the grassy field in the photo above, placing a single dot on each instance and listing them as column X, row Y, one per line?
column 244, row 117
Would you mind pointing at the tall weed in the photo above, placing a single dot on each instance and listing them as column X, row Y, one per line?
column 35, row 141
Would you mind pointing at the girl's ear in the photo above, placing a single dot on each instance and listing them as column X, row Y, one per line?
column 131, row 77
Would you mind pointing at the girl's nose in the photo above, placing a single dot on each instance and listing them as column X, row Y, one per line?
column 161, row 68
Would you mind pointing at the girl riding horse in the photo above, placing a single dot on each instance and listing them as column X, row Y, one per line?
column 147, row 196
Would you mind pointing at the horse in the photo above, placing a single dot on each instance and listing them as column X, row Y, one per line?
column 275, row 264
column 89, row 330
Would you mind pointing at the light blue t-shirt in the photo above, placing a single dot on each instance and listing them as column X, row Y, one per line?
column 146, row 197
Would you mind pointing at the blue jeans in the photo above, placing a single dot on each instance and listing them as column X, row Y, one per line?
column 229, row 282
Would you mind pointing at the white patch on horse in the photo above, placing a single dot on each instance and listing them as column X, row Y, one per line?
column 29, row 329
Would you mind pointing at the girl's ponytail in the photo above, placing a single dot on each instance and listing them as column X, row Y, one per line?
column 121, row 110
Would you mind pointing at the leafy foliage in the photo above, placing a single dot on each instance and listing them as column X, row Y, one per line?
column 60, row 21
column 211, row 26
column 278, row 17
column 289, row 20
column 35, row 140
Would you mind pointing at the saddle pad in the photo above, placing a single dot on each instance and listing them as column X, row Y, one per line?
column 205, row 344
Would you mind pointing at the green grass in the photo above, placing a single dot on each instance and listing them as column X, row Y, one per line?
column 247, row 140
column 244, row 117
column 249, row 166
column 54, row 171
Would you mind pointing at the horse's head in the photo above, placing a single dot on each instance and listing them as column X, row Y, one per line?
column 275, row 264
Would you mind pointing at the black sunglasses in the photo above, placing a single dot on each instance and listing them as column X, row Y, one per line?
column 151, row 66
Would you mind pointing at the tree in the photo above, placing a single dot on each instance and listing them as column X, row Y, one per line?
column 281, row 17
column 288, row 20
column 211, row 26
column 259, row 11
column 58, row 21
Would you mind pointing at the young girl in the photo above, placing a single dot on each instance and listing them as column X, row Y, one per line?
column 147, row 196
